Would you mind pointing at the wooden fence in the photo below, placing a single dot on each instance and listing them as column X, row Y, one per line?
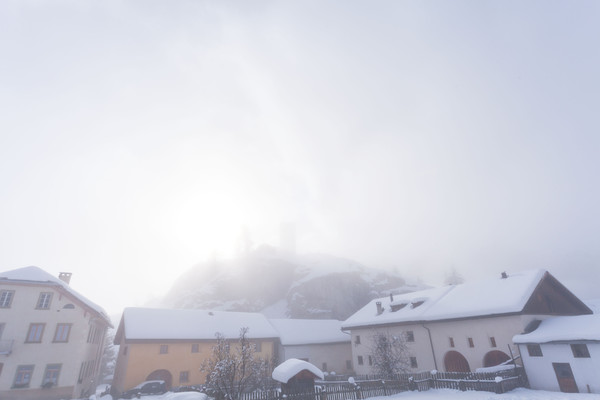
column 364, row 387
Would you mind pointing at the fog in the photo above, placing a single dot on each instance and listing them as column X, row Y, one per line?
column 139, row 138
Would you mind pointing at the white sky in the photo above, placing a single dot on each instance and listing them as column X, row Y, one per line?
column 138, row 138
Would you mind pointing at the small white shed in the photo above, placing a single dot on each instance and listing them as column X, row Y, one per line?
column 296, row 376
column 563, row 354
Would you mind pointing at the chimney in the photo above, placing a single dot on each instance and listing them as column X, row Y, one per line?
column 504, row 275
column 379, row 308
column 391, row 297
column 65, row 277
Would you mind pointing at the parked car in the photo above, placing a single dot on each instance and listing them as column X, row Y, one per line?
column 144, row 389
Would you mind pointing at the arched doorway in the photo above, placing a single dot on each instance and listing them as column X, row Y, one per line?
column 161, row 375
column 494, row 357
column 456, row 362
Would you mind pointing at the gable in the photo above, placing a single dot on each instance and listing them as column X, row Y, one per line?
column 550, row 297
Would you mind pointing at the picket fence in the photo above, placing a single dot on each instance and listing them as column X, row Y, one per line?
column 372, row 386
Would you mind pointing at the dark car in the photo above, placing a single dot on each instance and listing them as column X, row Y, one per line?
column 144, row 389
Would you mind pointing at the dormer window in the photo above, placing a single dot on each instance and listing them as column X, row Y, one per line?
column 416, row 304
column 396, row 307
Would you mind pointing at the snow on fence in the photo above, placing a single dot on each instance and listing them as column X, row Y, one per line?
column 364, row 387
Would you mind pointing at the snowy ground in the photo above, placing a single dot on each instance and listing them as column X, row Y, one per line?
column 439, row 394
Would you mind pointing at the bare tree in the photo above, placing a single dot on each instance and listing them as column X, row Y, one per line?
column 234, row 368
column 389, row 354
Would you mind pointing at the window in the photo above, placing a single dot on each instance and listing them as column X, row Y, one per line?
column 416, row 304
column 35, row 333
column 6, row 297
column 195, row 348
column 324, row 367
column 44, row 301
column 164, row 349
column 396, row 307
column 258, row 346
column 357, row 339
column 451, row 340
column 184, row 376
column 413, row 362
column 492, row 341
column 360, row 360
column 580, row 351
column 2, row 324
column 348, row 364
column 410, row 336
column 62, row 333
column 23, row 376
column 370, row 360
column 51, row 375
column 534, row 350
column 471, row 343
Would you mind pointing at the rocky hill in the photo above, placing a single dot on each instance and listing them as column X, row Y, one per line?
column 284, row 285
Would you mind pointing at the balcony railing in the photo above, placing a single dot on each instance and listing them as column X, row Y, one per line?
column 6, row 347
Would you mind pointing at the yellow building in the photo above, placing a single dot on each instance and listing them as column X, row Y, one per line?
column 171, row 345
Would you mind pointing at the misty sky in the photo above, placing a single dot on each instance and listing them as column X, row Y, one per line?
column 139, row 138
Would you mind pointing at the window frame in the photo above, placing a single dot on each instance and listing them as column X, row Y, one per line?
column 44, row 301
column 360, row 360
column 410, row 336
column 184, row 376
column 357, row 339
column 4, row 303
column 583, row 351
column 23, row 370
column 163, row 349
column 471, row 342
column 56, row 332
column 31, row 332
column 451, row 341
column 51, row 367
column 413, row 362
column 195, row 348
column 535, row 350
column 493, row 342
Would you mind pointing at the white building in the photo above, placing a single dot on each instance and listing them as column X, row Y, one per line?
column 320, row 342
column 563, row 353
column 461, row 327
column 51, row 337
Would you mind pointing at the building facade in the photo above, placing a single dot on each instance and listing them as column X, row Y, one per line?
column 563, row 354
column 51, row 337
column 172, row 345
column 461, row 327
column 320, row 342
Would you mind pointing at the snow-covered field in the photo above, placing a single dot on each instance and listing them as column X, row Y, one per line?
column 439, row 394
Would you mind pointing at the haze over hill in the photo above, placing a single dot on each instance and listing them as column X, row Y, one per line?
column 282, row 284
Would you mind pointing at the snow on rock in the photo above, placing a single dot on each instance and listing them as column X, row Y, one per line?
column 155, row 323
column 581, row 327
column 309, row 331
column 289, row 368
column 485, row 297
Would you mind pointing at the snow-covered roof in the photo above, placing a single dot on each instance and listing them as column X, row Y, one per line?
column 471, row 299
column 581, row 327
column 169, row 324
column 309, row 331
column 39, row 276
column 290, row 368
